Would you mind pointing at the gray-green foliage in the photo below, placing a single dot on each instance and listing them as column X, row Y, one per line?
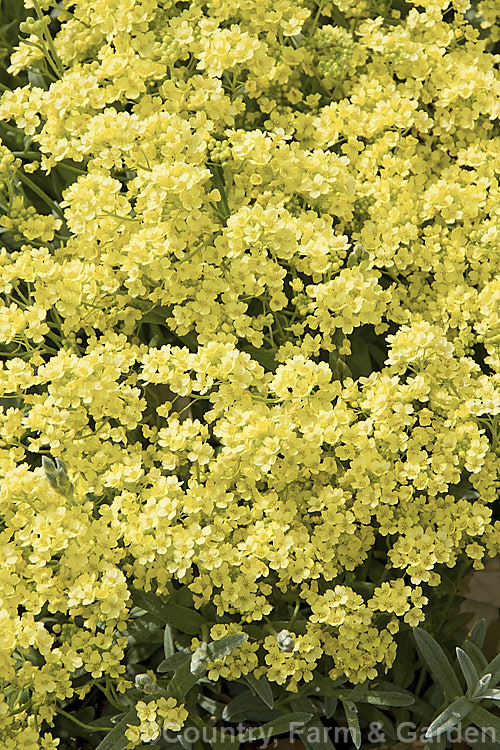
column 469, row 686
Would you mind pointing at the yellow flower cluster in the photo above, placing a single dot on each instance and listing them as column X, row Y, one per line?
column 155, row 716
column 295, row 663
column 24, row 222
column 242, row 661
column 259, row 325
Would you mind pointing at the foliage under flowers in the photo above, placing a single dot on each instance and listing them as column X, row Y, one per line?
column 249, row 305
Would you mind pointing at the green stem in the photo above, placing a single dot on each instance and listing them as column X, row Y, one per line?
column 107, row 694
column 90, row 434
column 26, row 154
column 117, row 216
column 79, row 723
column 268, row 626
column 57, row 64
column 68, row 13
column 115, row 695
column 21, row 709
column 220, row 187
column 71, row 168
column 188, row 406
column 197, row 249
column 20, row 294
column 316, row 17
column 420, row 682
column 279, row 326
column 41, row 194
column 295, row 613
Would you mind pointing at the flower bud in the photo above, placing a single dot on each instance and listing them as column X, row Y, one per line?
column 199, row 660
column 50, row 471
column 57, row 475
column 285, row 640
column 145, row 683
column 357, row 254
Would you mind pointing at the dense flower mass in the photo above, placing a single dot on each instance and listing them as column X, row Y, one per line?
column 258, row 324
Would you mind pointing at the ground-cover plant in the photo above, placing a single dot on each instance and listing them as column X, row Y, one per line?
column 250, row 354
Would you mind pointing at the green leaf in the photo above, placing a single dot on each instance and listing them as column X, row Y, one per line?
column 351, row 714
column 223, row 740
column 157, row 315
column 210, row 705
column 264, row 357
column 150, row 603
column 280, row 725
column 184, row 740
column 301, row 704
column 183, row 596
column 168, row 642
column 174, row 661
column 36, row 79
column 329, row 706
column 241, row 706
column 326, row 685
column 382, row 728
column 363, row 587
column 450, row 717
column 377, row 354
column 482, row 685
column 493, row 668
column 437, row 662
column 182, row 682
column 116, row 739
column 169, row 613
column 482, row 743
column 142, row 629
column 491, row 695
column 436, row 743
column 339, row 368
column 388, row 698
column 10, row 403
column 478, row 658
column 487, row 721
column 359, row 362
column 478, row 633
column 262, row 688
column 224, row 646
column 468, row 669
column 314, row 735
